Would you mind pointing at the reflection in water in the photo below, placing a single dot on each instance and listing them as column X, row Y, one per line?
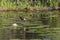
column 35, row 25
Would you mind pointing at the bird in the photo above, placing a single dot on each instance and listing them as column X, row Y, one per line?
column 22, row 18
column 14, row 24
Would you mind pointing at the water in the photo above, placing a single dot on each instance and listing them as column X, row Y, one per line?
column 35, row 23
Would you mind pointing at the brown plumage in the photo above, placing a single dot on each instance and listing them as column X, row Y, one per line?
column 21, row 18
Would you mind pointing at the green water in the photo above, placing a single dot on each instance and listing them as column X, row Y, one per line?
column 36, row 25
